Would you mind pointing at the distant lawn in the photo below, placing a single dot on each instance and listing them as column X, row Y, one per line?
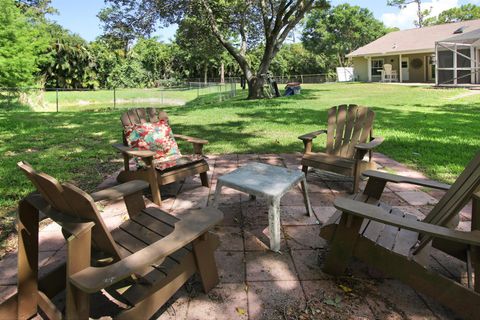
column 125, row 98
column 428, row 129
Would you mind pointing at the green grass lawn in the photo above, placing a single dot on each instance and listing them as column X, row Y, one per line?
column 435, row 131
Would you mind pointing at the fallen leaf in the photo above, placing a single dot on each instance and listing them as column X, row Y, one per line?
column 345, row 288
column 240, row 311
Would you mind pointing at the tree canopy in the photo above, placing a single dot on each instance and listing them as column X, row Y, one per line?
column 19, row 45
column 465, row 12
column 340, row 30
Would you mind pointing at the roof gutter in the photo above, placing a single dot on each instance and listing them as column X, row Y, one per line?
column 395, row 53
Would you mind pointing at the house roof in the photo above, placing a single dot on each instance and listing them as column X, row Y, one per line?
column 416, row 40
column 469, row 37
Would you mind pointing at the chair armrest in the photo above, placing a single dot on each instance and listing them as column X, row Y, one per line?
column 476, row 195
column 120, row 191
column 134, row 153
column 375, row 142
column 375, row 213
column 195, row 224
column 72, row 225
column 311, row 135
column 401, row 179
column 190, row 139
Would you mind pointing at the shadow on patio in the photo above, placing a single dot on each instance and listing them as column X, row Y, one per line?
column 256, row 283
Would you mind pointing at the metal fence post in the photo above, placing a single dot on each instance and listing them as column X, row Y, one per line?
column 57, row 98
column 198, row 90
column 114, row 98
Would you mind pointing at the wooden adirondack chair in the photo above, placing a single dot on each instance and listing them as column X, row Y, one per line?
column 349, row 129
column 399, row 245
column 141, row 264
column 186, row 166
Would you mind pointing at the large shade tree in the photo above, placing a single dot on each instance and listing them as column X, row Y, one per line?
column 236, row 24
column 341, row 30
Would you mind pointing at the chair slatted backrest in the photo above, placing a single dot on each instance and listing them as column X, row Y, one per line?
column 348, row 125
column 456, row 197
column 72, row 202
column 141, row 115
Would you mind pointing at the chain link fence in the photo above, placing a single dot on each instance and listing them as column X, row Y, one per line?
column 60, row 99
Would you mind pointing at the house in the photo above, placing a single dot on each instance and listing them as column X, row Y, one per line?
column 446, row 54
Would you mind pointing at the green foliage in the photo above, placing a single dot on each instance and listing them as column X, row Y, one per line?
column 156, row 58
column 19, row 44
column 202, row 53
column 130, row 73
column 340, row 30
column 294, row 59
column 106, row 59
column 36, row 8
column 70, row 63
column 465, row 12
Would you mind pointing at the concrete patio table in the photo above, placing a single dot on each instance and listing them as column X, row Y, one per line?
column 267, row 181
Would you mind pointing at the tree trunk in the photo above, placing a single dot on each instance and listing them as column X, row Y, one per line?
column 205, row 73
column 255, row 87
column 222, row 73
column 419, row 13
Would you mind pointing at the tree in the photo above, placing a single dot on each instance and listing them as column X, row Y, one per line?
column 421, row 13
column 294, row 59
column 129, row 74
column 202, row 53
column 340, row 30
column 156, row 59
column 19, row 44
column 36, row 8
column 463, row 13
column 121, row 28
column 70, row 63
column 106, row 59
column 237, row 24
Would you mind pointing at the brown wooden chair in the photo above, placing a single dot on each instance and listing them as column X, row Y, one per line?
column 349, row 138
column 142, row 263
column 399, row 245
column 186, row 166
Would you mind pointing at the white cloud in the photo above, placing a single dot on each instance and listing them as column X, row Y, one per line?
column 404, row 18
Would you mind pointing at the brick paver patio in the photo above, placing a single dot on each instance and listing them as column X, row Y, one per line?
column 259, row 284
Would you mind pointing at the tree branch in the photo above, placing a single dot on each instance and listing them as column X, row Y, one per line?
column 228, row 46
column 266, row 21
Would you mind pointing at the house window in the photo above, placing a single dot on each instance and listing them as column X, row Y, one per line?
column 377, row 66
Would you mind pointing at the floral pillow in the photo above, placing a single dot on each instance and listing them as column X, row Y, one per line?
column 157, row 137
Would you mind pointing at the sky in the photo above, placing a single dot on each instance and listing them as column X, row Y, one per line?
column 81, row 16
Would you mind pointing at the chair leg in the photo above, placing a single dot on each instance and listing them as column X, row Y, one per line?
column 356, row 177
column 305, row 170
column 343, row 244
column 153, row 181
column 27, row 260
column 204, row 178
column 78, row 258
column 204, row 255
